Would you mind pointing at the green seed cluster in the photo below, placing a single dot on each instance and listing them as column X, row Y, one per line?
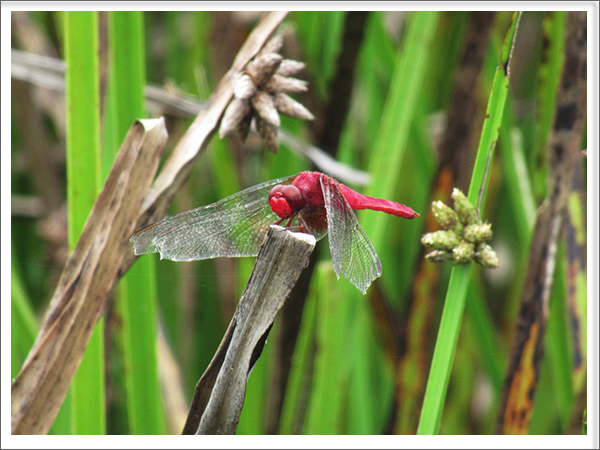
column 463, row 237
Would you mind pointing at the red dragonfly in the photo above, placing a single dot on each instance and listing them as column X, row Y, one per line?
column 309, row 202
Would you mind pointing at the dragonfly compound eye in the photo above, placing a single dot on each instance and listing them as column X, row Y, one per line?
column 276, row 190
column 294, row 197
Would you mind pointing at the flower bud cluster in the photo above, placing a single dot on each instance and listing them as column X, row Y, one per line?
column 261, row 93
column 463, row 237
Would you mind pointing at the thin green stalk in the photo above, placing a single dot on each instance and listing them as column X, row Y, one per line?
column 445, row 347
column 83, row 184
column 137, row 301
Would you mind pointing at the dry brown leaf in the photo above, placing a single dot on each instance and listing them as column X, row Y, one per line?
column 219, row 395
column 88, row 277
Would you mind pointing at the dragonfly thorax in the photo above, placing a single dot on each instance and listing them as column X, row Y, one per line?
column 286, row 200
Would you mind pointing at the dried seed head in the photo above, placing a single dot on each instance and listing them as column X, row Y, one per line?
column 244, row 88
column 289, row 68
column 463, row 207
column 265, row 107
column 291, row 107
column 478, row 233
column 444, row 215
column 243, row 127
column 233, row 115
column 262, row 68
column 268, row 133
column 272, row 46
column 285, row 85
column 441, row 240
column 486, row 256
column 463, row 252
column 259, row 94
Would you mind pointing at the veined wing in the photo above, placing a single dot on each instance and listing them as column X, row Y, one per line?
column 234, row 226
column 352, row 253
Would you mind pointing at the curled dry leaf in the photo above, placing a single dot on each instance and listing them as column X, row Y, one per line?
column 219, row 395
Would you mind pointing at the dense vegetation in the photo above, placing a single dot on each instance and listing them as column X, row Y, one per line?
column 399, row 95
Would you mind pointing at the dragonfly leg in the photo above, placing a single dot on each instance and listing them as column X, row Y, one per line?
column 287, row 226
column 301, row 226
column 289, row 222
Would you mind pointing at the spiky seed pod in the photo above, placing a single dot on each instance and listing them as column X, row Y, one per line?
column 259, row 93
column 439, row 256
column 291, row 107
column 243, row 127
column 244, row 88
column 263, row 104
column 286, row 85
column 463, row 252
column 441, row 240
column 463, row 207
column 268, row 133
column 486, row 256
column 233, row 115
column 272, row 46
column 261, row 69
column 478, row 233
column 289, row 68
column 444, row 215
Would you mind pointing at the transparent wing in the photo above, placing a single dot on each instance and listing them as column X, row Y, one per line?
column 234, row 226
column 352, row 253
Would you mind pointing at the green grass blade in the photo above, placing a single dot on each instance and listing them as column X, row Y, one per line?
column 558, row 345
column 83, row 184
column 555, row 25
column 485, row 335
column 24, row 326
column 334, row 318
column 370, row 390
column 396, row 120
column 514, row 168
column 295, row 400
column 437, row 383
column 137, row 290
column 445, row 346
column 320, row 33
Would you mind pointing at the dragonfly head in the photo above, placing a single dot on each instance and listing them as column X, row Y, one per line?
column 286, row 200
